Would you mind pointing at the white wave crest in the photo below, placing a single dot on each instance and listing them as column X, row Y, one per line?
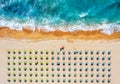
column 107, row 28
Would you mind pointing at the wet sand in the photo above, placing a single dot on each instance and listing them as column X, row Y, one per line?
column 44, row 35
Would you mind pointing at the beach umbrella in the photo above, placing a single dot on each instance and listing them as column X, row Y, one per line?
column 14, row 79
column 109, row 52
column 92, row 57
column 24, row 57
column 109, row 63
column 86, row 58
column 86, row 80
column 97, row 69
column 47, row 69
column 8, row 63
column 41, row 80
column 47, row 80
column 47, row 51
column 92, row 75
column 86, row 63
column 98, row 58
column 98, row 64
column 69, row 52
column 8, row 74
column 8, row 57
column 63, row 58
column 75, row 52
column 25, row 63
column 25, row 79
column 75, row 58
column 58, row 69
column 52, row 52
column 58, row 57
column 69, row 58
column 86, row 69
column 80, row 52
column 30, row 51
column 58, row 63
column 75, row 63
column 35, row 57
column 8, row 51
column 103, row 69
column 14, row 52
column 36, row 52
column 24, row 51
column 52, row 57
column 97, row 52
column 92, row 69
column 41, row 63
column 64, row 80
column 80, row 58
column 109, row 58
column 63, row 52
column 14, row 69
column 80, row 63
column 103, row 64
column 36, row 69
column 103, row 52
column 58, row 53
column 19, row 57
column 86, row 75
column 63, row 63
column 80, row 75
column 69, row 69
column 30, row 78
column 81, row 69
column 103, row 58
column 92, row 80
column 86, row 52
column 41, row 69
column 25, row 68
column 19, row 51
column 47, row 57
column 41, row 57
column 36, row 80
column 36, row 63
column 19, row 68
column 81, row 80
column 47, row 63
column 30, row 63
column 92, row 63
column 91, row 52
column 30, row 57
column 41, row 51
column 14, row 63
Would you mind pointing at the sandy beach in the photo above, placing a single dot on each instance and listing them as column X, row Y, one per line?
column 98, row 45
column 28, row 40
column 59, row 41
column 43, row 35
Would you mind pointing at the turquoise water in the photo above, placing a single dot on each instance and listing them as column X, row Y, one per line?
column 66, row 15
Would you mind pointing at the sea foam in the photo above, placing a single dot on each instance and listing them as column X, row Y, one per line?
column 64, row 15
column 106, row 28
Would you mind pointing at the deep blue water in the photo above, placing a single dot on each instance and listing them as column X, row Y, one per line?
column 61, row 12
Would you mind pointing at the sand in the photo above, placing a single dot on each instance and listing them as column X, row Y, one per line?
column 78, row 40
column 10, row 44
column 43, row 35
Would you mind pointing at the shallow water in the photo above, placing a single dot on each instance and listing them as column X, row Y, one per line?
column 65, row 15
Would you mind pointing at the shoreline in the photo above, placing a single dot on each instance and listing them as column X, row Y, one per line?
column 26, row 33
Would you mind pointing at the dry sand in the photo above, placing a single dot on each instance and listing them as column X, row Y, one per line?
column 113, row 46
column 78, row 40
